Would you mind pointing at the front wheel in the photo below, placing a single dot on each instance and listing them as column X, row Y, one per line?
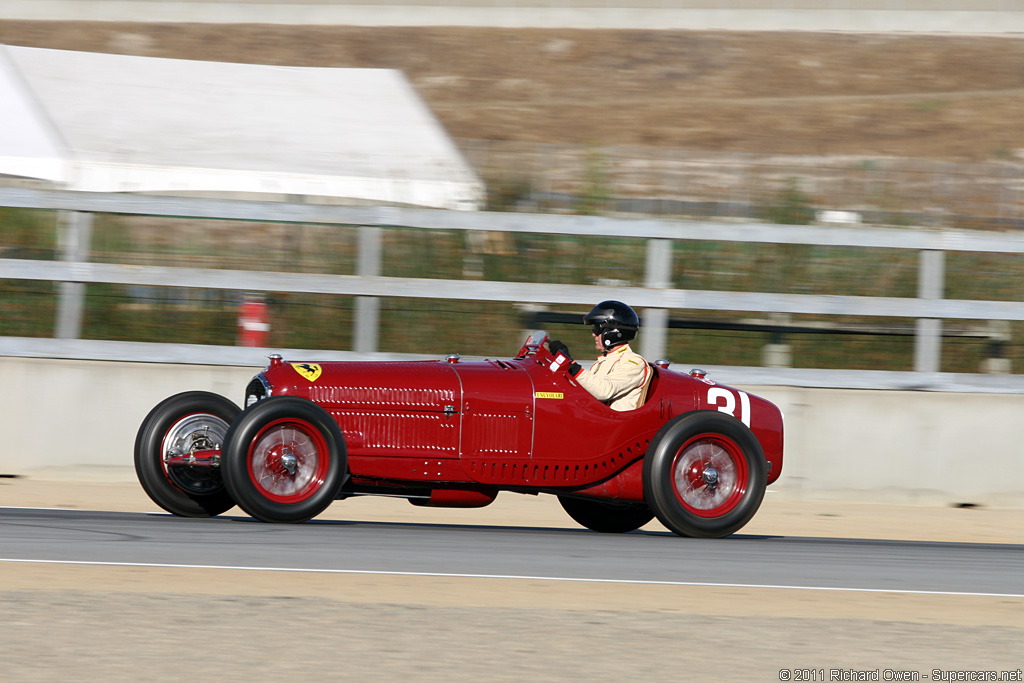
column 183, row 425
column 704, row 474
column 605, row 516
column 284, row 460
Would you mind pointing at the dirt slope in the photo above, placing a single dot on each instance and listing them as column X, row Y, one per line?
column 946, row 97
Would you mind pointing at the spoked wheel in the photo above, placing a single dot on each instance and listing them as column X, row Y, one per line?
column 284, row 460
column 704, row 475
column 178, row 429
column 608, row 517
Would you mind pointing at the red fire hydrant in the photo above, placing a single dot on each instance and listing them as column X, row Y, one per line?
column 253, row 322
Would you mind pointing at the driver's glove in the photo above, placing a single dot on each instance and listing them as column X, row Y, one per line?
column 561, row 353
column 558, row 347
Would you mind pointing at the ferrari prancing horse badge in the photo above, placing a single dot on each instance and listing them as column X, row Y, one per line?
column 308, row 370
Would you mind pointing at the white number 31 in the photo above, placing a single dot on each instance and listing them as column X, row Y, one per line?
column 725, row 401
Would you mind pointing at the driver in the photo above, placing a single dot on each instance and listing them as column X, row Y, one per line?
column 619, row 376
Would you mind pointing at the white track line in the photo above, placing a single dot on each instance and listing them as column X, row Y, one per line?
column 22, row 507
column 512, row 577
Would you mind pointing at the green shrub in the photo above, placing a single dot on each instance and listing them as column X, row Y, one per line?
column 791, row 206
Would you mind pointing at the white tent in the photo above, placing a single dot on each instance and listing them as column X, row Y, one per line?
column 115, row 123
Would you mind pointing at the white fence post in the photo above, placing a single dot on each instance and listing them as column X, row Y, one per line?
column 367, row 313
column 658, row 275
column 74, row 236
column 928, row 337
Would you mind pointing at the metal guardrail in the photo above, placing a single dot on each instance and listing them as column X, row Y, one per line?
column 255, row 357
column 525, row 292
column 597, row 226
column 656, row 297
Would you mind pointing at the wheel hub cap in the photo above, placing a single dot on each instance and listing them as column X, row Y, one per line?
column 289, row 462
column 711, row 477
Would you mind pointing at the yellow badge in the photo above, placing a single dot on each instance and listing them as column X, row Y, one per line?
column 308, row 370
column 549, row 394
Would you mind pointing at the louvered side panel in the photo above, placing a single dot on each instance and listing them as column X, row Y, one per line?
column 382, row 397
column 379, row 433
column 489, row 434
column 497, row 469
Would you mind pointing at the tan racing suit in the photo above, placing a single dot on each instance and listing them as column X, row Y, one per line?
column 618, row 378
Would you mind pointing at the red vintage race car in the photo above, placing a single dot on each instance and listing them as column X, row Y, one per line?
column 454, row 433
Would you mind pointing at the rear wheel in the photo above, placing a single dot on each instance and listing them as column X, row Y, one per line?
column 284, row 460
column 704, row 474
column 606, row 516
column 181, row 425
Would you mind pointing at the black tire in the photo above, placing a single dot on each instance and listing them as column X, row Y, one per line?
column 194, row 419
column 704, row 474
column 605, row 516
column 284, row 460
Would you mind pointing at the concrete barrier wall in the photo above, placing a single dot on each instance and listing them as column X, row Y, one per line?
column 905, row 447
column 78, row 419
column 71, row 413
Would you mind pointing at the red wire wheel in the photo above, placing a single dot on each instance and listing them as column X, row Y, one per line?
column 704, row 474
column 710, row 475
column 288, row 461
column 284, row 459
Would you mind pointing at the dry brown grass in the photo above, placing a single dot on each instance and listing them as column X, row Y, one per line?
column 940, row 97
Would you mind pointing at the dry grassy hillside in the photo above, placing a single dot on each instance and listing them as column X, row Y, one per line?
column 942, row 97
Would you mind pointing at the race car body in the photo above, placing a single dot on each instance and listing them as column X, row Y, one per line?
column 695, row 453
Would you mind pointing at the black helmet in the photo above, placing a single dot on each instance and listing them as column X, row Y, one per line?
column 614, row 321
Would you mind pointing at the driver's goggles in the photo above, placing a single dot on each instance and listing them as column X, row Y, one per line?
column 598, row 328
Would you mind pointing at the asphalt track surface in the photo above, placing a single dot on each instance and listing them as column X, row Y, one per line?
column 135, row 539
